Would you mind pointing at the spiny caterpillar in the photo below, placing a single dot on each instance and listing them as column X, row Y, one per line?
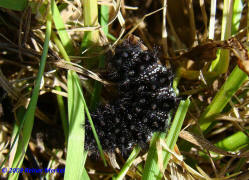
column 145, row 99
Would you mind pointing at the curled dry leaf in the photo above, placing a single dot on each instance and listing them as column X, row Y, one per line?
column 207, row 52
column 203, row 52
column 241, row 53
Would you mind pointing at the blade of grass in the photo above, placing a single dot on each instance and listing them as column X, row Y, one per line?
column 212, row 19
column 236, row 78
column 242, row 161
column 15, row 136
column 18, row 5
column 237, row 14
column 76, row 117
column 61, row 29
column 90, row 9
column 75, row 160
column 30, row 113
column 151, row 169
column 68, row 46
column 104, row 16
column 91, row 38
column 234, row 142
column 229, row 88
column 66, row 57
column 111, row 37
column 52, row 163
column 127, row 164
column 94, row 132
column 176, row 128
column 85, row 175
column 62, row 113
column 220, row 65
column 15, row 133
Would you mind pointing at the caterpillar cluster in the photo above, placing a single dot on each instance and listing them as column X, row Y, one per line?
column 145, row 98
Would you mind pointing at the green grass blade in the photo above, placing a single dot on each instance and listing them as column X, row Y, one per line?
column 229, row 88
column 61, row 29
column 237, row 14
column 111, row 37
column 176, row 128
column 76, row 116
column 62, row 112
column 104, row 16
column 93, row 129
column 220, row 65
column 127, row 164
column 60, row 98
column 234, row 142
column 230, row 25
column 67, row 43
column 18, row 5
column 30, row 113
column 230, row 143
column 60, row 46
column 65, row 56
column 15, row 135
column 232, row 15
column 91, row 38
column 90, row 11
column 16, row 130
column 238, row 139
column 85, row 175
column 94, row 132
column 75, row 152
column 151, row 169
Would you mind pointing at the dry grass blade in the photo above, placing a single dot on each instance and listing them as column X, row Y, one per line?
column 111, row 4
column 229, row 118
column 113, row 160
column 204, row 16
column 177, row 159
column 24, row 26
column 205, row 144
column 79, row 69
column 4, row 83
column 144, row 17
column 116, row 15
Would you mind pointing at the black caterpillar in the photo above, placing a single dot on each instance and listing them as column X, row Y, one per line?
column 145, row 98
